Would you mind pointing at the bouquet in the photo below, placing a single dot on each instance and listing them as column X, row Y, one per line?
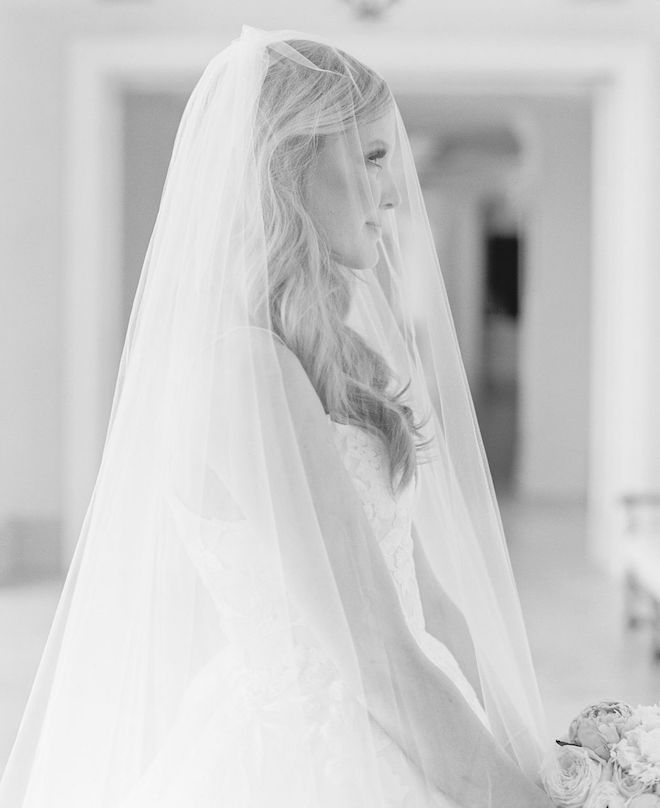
column 609, row 759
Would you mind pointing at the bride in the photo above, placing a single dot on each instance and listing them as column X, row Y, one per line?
column 291, row 586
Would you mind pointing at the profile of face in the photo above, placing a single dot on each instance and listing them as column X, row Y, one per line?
column 350, row 185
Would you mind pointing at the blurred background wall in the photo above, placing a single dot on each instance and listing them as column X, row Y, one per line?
column 510, row 179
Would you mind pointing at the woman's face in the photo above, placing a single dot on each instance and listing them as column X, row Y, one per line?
column 348, row 188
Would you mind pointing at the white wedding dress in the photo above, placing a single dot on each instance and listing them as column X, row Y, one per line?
column 233, row 742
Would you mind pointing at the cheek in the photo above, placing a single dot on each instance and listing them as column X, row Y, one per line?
column 341, row 195
column 342, row 187
column 336, row 213
column 340, row 200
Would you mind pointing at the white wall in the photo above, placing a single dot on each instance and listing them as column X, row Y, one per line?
column 556, row 316
column 30, row 285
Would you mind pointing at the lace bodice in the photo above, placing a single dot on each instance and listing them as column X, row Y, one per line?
column 366, row 461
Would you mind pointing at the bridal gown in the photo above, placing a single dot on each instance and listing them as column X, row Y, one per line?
column 233, row 743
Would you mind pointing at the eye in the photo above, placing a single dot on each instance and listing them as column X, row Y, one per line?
column 376, row 155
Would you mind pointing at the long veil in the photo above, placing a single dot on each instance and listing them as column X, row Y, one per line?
column 204, row 563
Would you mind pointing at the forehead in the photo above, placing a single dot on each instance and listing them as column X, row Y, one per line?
column 382, row 128
column 350, row 145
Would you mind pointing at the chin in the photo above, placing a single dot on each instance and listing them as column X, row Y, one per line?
column 365, row 259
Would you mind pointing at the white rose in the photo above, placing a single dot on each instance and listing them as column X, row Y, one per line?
column 600, row 726
column 570, row 780
column 627, row 783
column 605, row 795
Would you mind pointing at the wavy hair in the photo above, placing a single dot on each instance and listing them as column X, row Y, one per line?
column 309, row 293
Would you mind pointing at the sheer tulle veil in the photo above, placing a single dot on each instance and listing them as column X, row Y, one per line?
column 242, row 288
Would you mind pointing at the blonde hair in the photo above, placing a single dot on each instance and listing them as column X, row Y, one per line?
column 309, row 293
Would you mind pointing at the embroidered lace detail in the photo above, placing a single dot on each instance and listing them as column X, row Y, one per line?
column 367, row 461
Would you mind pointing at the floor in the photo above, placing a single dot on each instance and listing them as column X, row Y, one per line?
column 573, row 615
column 580, row 645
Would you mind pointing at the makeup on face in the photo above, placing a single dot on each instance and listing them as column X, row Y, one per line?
column 346, row 193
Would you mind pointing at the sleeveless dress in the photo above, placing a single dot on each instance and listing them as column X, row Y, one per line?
column 233, row 744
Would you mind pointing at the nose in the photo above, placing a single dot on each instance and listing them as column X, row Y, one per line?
column 390, row 197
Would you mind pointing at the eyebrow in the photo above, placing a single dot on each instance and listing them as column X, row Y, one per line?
column 378, row 144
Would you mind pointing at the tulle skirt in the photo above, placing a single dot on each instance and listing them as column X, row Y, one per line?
column 237, row 744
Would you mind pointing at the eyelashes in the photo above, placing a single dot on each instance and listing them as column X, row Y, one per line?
column 376, row 155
